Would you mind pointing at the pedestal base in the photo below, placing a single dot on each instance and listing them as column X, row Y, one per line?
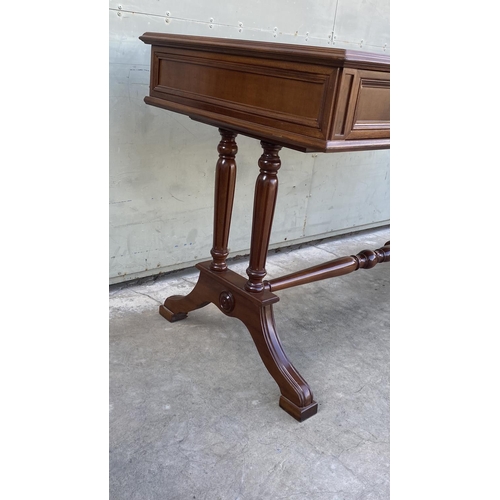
column 227, row 291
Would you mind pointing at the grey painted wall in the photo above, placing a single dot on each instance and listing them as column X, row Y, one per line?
column 162, row 164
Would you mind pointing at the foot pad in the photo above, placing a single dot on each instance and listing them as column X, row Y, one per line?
column 170, row 316
column 297, row 412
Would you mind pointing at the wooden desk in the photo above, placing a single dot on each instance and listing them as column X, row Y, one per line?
column 310, row 99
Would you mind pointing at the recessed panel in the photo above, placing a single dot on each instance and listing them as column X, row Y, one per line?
column 251, row 86
column 373, row 105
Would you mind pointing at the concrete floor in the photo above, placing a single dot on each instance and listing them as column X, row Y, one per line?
column 194, row 413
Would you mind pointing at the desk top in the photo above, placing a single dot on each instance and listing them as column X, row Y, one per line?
column 302, row 97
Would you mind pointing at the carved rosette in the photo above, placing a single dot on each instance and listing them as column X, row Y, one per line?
column 226, row 301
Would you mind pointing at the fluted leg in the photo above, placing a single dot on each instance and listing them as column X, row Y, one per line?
column 296, row 395
column 225, row 180
column 266, row 192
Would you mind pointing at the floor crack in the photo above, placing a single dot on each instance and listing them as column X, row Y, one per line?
column 149, row 296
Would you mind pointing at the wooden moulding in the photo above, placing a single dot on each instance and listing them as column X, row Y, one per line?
column 305, row 98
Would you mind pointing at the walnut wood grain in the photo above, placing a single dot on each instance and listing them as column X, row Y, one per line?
column 302, row 97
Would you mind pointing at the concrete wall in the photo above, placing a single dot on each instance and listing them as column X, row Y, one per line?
column 162, row 164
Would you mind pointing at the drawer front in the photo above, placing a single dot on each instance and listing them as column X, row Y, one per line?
column 285, row 96
column 363, row 106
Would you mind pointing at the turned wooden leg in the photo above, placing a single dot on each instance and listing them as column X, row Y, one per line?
column 177, row 307
column 225, row 180
column 266, row 192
